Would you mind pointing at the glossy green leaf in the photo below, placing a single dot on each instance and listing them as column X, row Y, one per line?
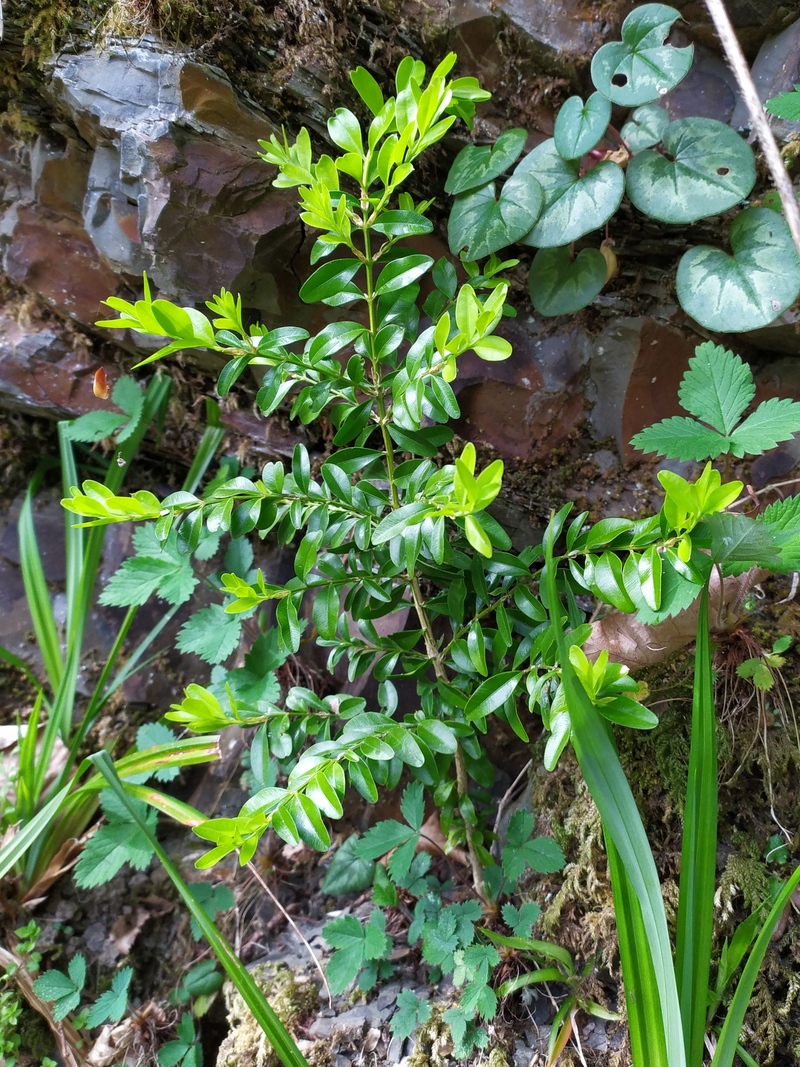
column 580, row 126
column 491, row 694
column 560, row 284
column 402, row 272
column 749, row 289
column 645, row 127
column 368, row 89
column 641, row 67
column 475, row 166
column 574, row 204
column 345, row 131
column 707, row 168
column 332, row 283
column 402, row 224
column 480, row 224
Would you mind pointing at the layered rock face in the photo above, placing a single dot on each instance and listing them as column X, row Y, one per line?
column 151, row 164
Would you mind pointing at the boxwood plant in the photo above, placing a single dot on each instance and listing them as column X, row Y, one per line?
column 401, row 571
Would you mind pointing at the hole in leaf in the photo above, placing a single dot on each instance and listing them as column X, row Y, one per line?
column 722, row 171
column 619, row 79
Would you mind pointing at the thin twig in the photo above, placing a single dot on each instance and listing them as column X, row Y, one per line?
column 758, row 118
column 254, row 871
column 66, row 1036
column 509, row 793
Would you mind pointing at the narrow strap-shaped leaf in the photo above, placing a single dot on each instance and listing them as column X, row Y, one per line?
column 285, row 1048
column 699, row 851
column 622, row 822
column 37, row 594
column 15, row 849
column 728, row 1044
column 639, row 981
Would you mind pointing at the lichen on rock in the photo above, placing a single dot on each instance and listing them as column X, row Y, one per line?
column 290, row 996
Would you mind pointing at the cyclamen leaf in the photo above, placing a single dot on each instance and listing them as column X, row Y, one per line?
column 717, row 387
column 212, row 634
column 477, row 165
column 574, row 203
column 580, row 126
column 480, row 224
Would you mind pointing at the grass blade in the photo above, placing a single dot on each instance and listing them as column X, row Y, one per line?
column 699, row 852
column 605, row 778
column 728, row 1044
column 15, row 849
column 38, row 595
column 207, row 449
column 285, row 1048
column 639, row 980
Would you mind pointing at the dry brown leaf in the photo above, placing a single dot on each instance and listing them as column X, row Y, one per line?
column 62, row 861
column 636, row 645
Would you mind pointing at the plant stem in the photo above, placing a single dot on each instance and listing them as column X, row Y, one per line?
column 416, row 592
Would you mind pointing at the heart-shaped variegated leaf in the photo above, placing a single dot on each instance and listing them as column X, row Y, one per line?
column 580, row 126
column 752, row 287
column 475, row 166
column 479, row 224
column 573, row 204
column 641, row 67
column 560, row 284
column 707, row 168
column 645, row 127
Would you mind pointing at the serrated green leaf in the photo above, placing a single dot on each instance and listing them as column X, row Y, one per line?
column 412, row 1011
column 348, row 872
column 382, row 838
column 481, row 223
column 94, row 426
column 738, row 538
column 717, row 387
column 412, row 805
column 773, row 421
column 141, row 577
column 211, row 633
column 680, row 437
column 574, row 203
column 708, row 168
column 785, row 105
column 111, row 1005
column 118, row 842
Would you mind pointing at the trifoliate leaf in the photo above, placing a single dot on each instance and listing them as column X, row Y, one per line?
column 63, row 990
column 139, row 578
column 255, row 685
column 211, row 634
column 412, row 1011
column 523, row 919
column 717, row 387
column 348, row 872
column 112, row 1004
column 760, row 673
column 118, row 842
